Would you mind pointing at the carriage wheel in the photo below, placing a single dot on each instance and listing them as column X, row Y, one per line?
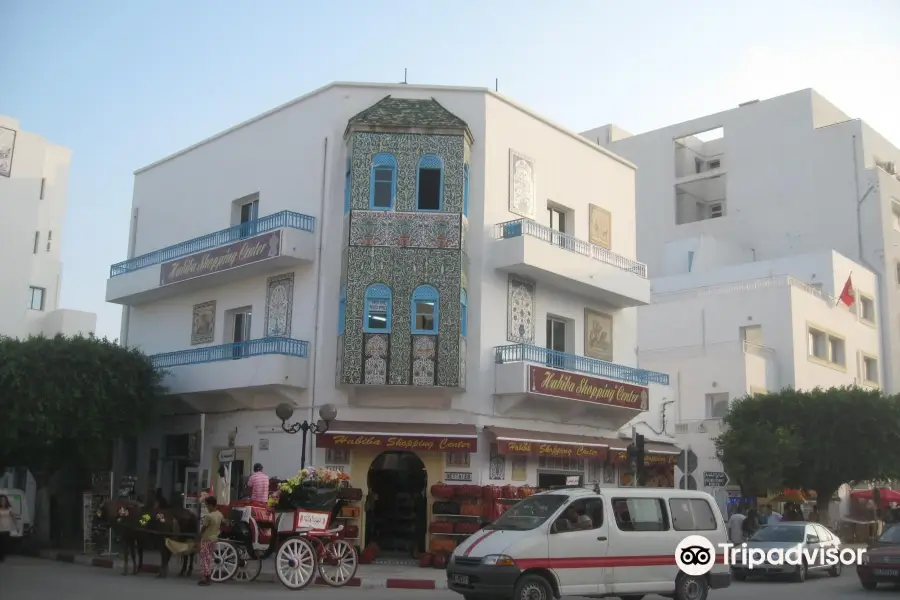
column 249, row 566
column 338, row 563
column 224, row 561
column 295, row 563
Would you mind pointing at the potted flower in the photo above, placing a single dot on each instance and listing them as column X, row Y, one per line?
column 310, row 488
column 403, row 228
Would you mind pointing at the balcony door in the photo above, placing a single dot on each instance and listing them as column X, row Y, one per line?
column 248, row 215
column 240, row 325
column 556, row 341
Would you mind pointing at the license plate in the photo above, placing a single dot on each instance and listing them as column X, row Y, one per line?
column 887, row 572
column 460, row 579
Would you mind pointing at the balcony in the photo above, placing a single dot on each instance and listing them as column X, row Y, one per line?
column 538, row 383
column 278, row 241
column 255, row 374
column 545, row 255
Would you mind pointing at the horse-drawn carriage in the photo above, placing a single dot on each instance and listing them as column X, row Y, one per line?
column 299, row 533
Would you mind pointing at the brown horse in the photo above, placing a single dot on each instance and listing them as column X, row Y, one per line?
column 155, row 525
column 187, row 523
column 123, row 516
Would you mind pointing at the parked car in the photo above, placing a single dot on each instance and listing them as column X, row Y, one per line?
column 881, row 562
column 785, row 536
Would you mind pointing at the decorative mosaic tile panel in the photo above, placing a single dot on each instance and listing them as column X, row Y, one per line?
column 279, row 305
column 497, row 464
column 424, row 359
column 520, row 311
column 203, row 324
column 377, row 357
column 8, row 146
column 403, row 270
column 462, row 362
column 404, row 229
column 408, row 149
column 339, row 367
column 522, row 195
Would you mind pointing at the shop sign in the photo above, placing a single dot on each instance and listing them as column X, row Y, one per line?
column 457, row 476
column 650, row 460
column 397, row 442
column 554, row 450
column 552, row 382
column 226, row 456
column 238, row 254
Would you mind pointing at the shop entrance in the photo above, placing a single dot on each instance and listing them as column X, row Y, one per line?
column 396, row 508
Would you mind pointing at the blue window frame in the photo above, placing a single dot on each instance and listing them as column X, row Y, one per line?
column 466, row 190
column 425, row 310
column 342, row 309
column 463, row 312
column 430, row 183
column 383, row 182
column 347, row 188
column 378, row 309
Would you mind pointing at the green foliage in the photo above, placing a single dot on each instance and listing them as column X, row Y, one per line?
column 814, row 440
column 65, row 400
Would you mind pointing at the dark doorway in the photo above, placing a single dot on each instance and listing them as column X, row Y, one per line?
column 396, row 508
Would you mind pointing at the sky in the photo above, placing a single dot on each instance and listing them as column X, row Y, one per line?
column 125, row 83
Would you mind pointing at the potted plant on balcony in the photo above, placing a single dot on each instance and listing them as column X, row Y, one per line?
column 367, row 231
column 403, row 227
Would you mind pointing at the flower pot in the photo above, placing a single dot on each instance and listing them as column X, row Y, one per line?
column 403, row 240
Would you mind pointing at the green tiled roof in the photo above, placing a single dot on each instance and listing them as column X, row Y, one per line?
column 403, row 112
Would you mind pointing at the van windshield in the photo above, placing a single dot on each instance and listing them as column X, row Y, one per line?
column 529, row 513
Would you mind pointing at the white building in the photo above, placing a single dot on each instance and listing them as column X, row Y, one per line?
column 746, row 218
column 33, row 188
column 447, row 268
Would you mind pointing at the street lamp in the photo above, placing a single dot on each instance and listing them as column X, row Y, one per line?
column 285, row 411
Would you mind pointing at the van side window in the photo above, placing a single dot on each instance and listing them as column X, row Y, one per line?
column 692, row 514
column 640, row 514
column 580, row 515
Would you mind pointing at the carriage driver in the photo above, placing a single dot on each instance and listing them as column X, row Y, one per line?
column 259, row 485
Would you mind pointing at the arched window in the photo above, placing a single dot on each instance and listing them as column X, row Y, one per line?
column 378, row 309
column 430, row 183
column 425, row 310
column 347, row 188
column 342, row 309
column 463, row 312
column 383, row 182
column 465, row 190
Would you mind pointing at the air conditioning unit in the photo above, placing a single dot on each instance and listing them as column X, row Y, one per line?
column 716, row 210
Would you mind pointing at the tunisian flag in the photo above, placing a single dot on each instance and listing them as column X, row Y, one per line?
column 847, row 296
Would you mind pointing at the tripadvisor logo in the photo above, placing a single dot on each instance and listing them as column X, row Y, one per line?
column 695, row 555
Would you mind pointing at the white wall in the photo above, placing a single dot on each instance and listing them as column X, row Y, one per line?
column 25, row 214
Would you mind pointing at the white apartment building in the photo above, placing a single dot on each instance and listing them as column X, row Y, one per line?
column 453, row 272
column 751, row 221
column 33, row 189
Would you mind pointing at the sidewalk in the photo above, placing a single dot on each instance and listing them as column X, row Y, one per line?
column 368, row 576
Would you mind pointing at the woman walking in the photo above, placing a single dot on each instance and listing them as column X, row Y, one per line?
column 209, row 535
column 7, row 525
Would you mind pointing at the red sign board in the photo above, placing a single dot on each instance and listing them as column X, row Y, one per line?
column 397, row 442
column 649, row 459
column 584, row 388
column 223, row 258
column 557, row 450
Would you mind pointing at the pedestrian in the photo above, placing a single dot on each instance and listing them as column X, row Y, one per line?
column 750, row 524
column 813, row 515
column 736, row 526
column 221, row 487
column 7, row 525
column 209, row 535
column 259, row 485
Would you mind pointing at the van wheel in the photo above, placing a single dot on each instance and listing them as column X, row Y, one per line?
column 532, row 587
column 689, row 587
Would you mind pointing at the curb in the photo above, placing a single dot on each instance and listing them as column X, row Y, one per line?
column 396, row 583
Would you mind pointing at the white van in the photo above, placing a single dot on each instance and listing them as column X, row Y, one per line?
column 602, row 542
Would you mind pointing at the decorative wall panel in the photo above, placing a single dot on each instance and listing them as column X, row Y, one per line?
column 407, row 149
column 279, row 305
column 522, row 190
column 424, row 359
column 520, row 311
column 462, row 362
column 203, row 324
column 377, row 358
column 7, row 148
column 404, row 229
column 403, row 270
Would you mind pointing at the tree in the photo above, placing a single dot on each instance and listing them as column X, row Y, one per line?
column 813, row 440
column 64, row 401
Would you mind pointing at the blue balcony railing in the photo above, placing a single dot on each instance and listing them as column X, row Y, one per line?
column 579, row 364
column 260, row 347
column 285, row 218
column 519, row 227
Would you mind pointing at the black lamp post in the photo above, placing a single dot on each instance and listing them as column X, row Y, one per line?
column 285, row 411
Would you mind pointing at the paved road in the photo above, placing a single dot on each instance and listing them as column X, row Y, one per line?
column 22, row 578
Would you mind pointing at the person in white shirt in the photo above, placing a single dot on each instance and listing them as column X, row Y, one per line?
column 736, row 526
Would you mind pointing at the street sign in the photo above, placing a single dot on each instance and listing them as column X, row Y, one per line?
column 226, row 456
column 715, row 479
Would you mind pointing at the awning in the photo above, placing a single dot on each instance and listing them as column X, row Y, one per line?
column 422, row 437
column 655, row 453
column 541, row 443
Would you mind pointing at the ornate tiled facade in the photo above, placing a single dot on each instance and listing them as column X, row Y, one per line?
column 404, row 248
column 520, row 311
